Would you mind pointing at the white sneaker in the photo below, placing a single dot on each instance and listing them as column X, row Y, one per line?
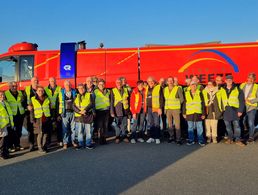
column 61, row 144
column 157, row 141
column 150, row 140
column 133, row 141
column 140, row 140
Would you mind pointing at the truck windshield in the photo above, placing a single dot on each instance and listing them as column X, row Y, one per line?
column 7, row 70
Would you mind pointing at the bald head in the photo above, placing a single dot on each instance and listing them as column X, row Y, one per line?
column 34, row 82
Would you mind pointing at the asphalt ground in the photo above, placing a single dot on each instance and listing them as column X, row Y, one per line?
column 134, row 169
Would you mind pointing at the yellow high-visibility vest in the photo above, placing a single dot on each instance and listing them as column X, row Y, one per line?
column 6, row 115
column 171, row 102
column 53, row 97
column 218, row 95
column 252, row 94
column 39, row 109
column 232, row 100
column 119, row 98
column 27, row 91
column 81, row 102
column 155, row 97
column 193, row 105
column 101, row 101
column 15, row 104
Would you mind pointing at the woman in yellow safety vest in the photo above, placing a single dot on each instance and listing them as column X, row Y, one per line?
column 213, row 103
column 6, row 122
column 83, row 106
column 41, row 118
column 194, row 113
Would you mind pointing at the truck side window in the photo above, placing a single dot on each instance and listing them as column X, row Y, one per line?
column 7, row 70
column 26, row 64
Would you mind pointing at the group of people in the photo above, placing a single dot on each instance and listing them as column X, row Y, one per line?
column 83, row 116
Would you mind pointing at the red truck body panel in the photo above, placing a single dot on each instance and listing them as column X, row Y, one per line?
column 206, row 61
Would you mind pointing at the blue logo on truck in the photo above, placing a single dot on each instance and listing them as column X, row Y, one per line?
column 68, row 60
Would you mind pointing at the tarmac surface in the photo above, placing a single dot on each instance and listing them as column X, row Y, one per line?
column 134, row 169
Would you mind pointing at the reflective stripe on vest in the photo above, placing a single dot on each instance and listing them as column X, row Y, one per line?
column 101, row 101
column 137, row 98
column 171, row 102
column 15, row 104
column 218, row 95
column 81, row 102
column 53, row 97
column 193, row 105
column 40, row 109
column 252, row 95
column 232, row 100
column 61, row 102
column 6, row 115
column 119, row 98
column 27, row 91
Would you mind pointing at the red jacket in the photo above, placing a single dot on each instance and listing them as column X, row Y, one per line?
column 136, row 101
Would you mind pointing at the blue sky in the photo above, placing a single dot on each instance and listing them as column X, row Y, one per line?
column 126, row 23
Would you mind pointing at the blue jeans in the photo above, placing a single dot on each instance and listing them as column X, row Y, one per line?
column 229, row 129
column 68, row 127
column 138, row 122
column 153, row 120
column 83, row 130
column 249, row 118
column 199, row 126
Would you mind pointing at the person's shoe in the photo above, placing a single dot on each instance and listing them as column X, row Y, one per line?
column 150, row 140
column 179, row 142
column 133, row 141
column 61, row 144
column 214, row 140
column 117, row 141
column 90, row 147
column 157, row 141
column 19, row 148
column 250, row 140
column 65, row 146
column 140, row 140
column 126, row 140
column 75, row 145
column 11, row 150
column 239, row 143
column 228, row 141
column 201, row 144
column 189, row 143
column 208, row 140
column 171, row 140
column 41, row 151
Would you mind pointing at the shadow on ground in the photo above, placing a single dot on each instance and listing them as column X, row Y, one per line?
column 107, row 169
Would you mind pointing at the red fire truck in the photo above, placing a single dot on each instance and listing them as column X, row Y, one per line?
column 23, row 61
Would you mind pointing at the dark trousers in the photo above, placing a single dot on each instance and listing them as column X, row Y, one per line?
column 102, row 121
column 18, row 123
column 56, row 126
column 4, row 146
column 29, row 127
column 153, row 120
